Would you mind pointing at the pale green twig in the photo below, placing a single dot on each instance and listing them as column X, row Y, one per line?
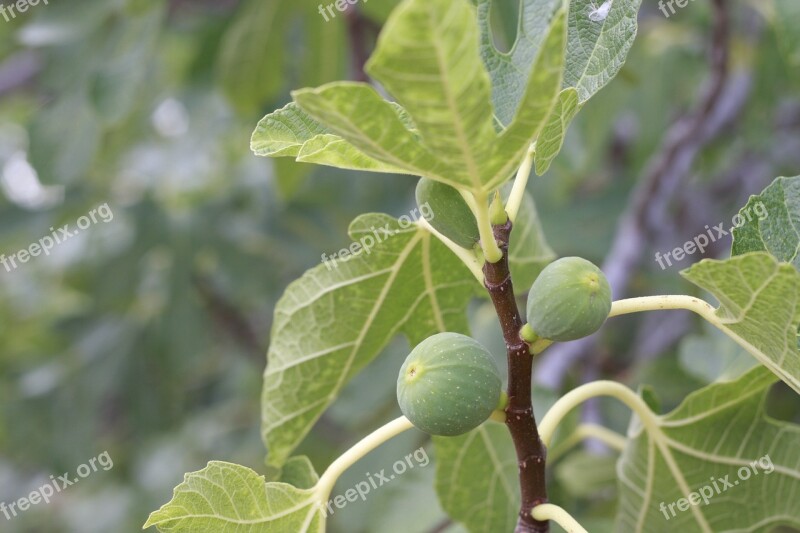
column 548, row 511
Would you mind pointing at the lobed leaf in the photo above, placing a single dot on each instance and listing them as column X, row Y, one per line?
column 229, row 498
column 771, row 222
column 550, row 141
column 542, row 97
column 510, row 71
column 292, row 132
column 427, row 58
column 596, row 50
column 720, row 432
column 760, row 307
column 335, row 319
column 299, row 472
column 594, row 53
column 375, row 127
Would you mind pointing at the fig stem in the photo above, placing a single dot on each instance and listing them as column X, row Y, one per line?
column 467, row 257
column 520, row 184
column 667, row 302
column 611, row 389
column 548, row 511
column 479, row 204
column 363, row 447
column 520, row 421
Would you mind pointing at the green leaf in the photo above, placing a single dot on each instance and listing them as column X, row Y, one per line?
column 720, row 432
column 596, row 51
column 510, row 71
column 542, row 98
column 284, row 132
column 291, row 132
column 476, row 478
column 338, row 317
column 299, row 472
column 771, row 222
column 232, row 498
column 550, row 141
column 760, row 307
column 375, row 127
column 427, row 57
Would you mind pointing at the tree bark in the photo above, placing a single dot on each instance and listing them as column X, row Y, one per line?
column 531, row 454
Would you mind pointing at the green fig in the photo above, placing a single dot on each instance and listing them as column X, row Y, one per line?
column 448, row 385
column 570, row 299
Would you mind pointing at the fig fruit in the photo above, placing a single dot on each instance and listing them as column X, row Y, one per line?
column 451, row 216
column 448, row 385
column 570, row 299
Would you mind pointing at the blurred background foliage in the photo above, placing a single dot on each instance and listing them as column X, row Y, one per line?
column 145, row 336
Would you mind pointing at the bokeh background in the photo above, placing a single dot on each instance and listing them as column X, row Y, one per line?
column 145, row 336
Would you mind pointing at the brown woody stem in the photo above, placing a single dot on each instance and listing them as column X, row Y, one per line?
column 521, row 423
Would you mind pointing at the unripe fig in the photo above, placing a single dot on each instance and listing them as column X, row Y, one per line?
column 570, row 299
column 452, row 216
column 448, row 385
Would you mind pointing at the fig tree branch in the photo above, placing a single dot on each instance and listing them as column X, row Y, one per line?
column 230, row 319
column 361, row 31
column 531, row 454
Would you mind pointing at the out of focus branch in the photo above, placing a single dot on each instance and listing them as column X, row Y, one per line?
column 442, row 526
column 230, row 319
column 18, row 71
column 362, row 32
column 648, row 215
